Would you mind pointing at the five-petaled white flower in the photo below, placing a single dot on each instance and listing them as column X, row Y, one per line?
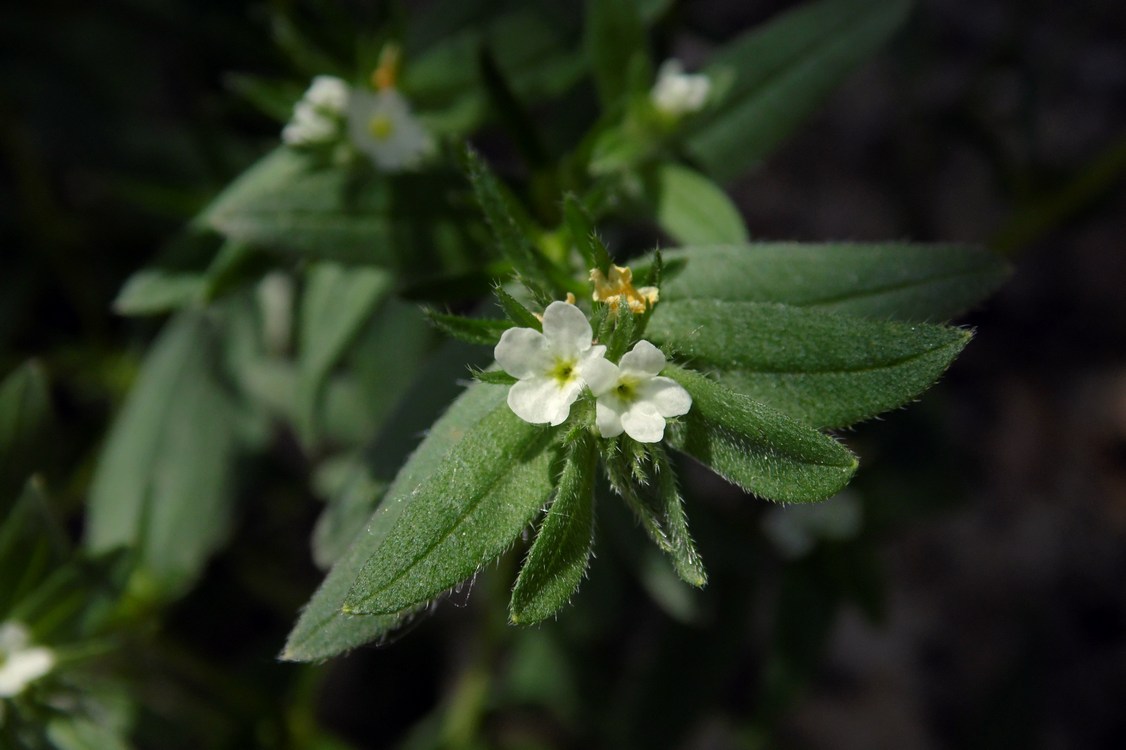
column 381, row 125
column 550, row 366
column 677, row 93
column 20, row 662
column 632, row 397
column 318, row 115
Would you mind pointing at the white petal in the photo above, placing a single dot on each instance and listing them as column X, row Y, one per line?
column 567, row 330
column 667, row 396
column 601, row 375
column 608, row 420
column 328, row 92
column 643, row 359
column 643, row 423
column 22, row 667
column 522, row 353
column 13, row 636
column 541, row 399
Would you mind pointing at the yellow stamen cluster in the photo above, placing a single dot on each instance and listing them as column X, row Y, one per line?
column 387, row 74
column 619, row 284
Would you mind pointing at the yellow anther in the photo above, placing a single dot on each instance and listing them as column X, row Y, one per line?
column 387, row 74
column 619, row 285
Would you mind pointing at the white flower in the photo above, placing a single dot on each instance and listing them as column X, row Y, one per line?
column 317, row 116
column 550, row 365
column 677, row 93
column 20, row 663
column 794, row 530
column 631, row 396
column 381, row 125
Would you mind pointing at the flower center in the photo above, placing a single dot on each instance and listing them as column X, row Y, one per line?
column 626, row 389
column 564, row 371
column 381, row 127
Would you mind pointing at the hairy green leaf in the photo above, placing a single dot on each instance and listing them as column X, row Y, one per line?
column 557, row 561
column 686, row 559
column 776, row 76
column 756, row 447
column 470, row 330
column 692, row 208
column 825, row 370
column 324, row 630
column 894, row 280
column 164, row 482
column 583, row 235
column 461, row 517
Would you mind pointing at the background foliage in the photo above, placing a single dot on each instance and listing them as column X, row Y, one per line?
column 984, row 592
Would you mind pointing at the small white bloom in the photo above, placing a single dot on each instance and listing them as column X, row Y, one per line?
column 677, row 93
column 20, row 662
column 795, row 529
column 318, row 114
column 381, row 125
column 550, row 365
column 631, row 396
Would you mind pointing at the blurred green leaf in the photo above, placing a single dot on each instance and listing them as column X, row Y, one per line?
column 323, row 630
column 337, row 302
column 274, row 99
column 557, row 561
column 901, row 281
column 755, row 447
column 777, row 75
column 351, row 498
column 692, row 208
column 154, row 291
column 825, row 370
column 25, row 418
column 164, row 481
column 460, row 517
column 471, row 330
column 80, row 733
column 583, row 235
column 614, row 38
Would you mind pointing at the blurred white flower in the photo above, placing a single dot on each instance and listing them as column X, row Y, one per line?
column 381, row 125
column 20, row 662
column 318, row 114
column 631, row 396
column 677, row 93
column 550, row 365
column 795, row 529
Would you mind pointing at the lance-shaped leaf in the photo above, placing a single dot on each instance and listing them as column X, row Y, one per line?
column 461, row 517
column 825, row 370
column 164, row 482
column 692, row 208
column 289, row 202
column 756, row 447
column 338, row 301
column 25, row 416
column 895, row 280
column 557, row 561
column 778, row 75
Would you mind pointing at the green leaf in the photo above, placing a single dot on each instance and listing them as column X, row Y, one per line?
column 338, row 301
column 902, row 281
column 825, row 370
column 692, row 208
column 778, row 75
column 164, row 481
column 25, row 418
column 79, row 733
column 584, row 236
column 516, row 311
column 291, row 202
column 755, row 447
column 274, row 99
column 461, row 517
column 496, row 377
column 154, row 291
column 558, row 559
column 615, row 38
column 686, row 560
column 352, row 495
column 323, row 629
column 470, row 330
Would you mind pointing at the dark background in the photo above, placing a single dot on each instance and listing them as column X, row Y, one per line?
column 989, row 122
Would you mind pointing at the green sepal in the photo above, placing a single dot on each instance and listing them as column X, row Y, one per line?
column 755, row 447
column 516, row 311
column 825, row 370
column 559, row 556
column 461, row 517
column 495, row 377
column 470, row 330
